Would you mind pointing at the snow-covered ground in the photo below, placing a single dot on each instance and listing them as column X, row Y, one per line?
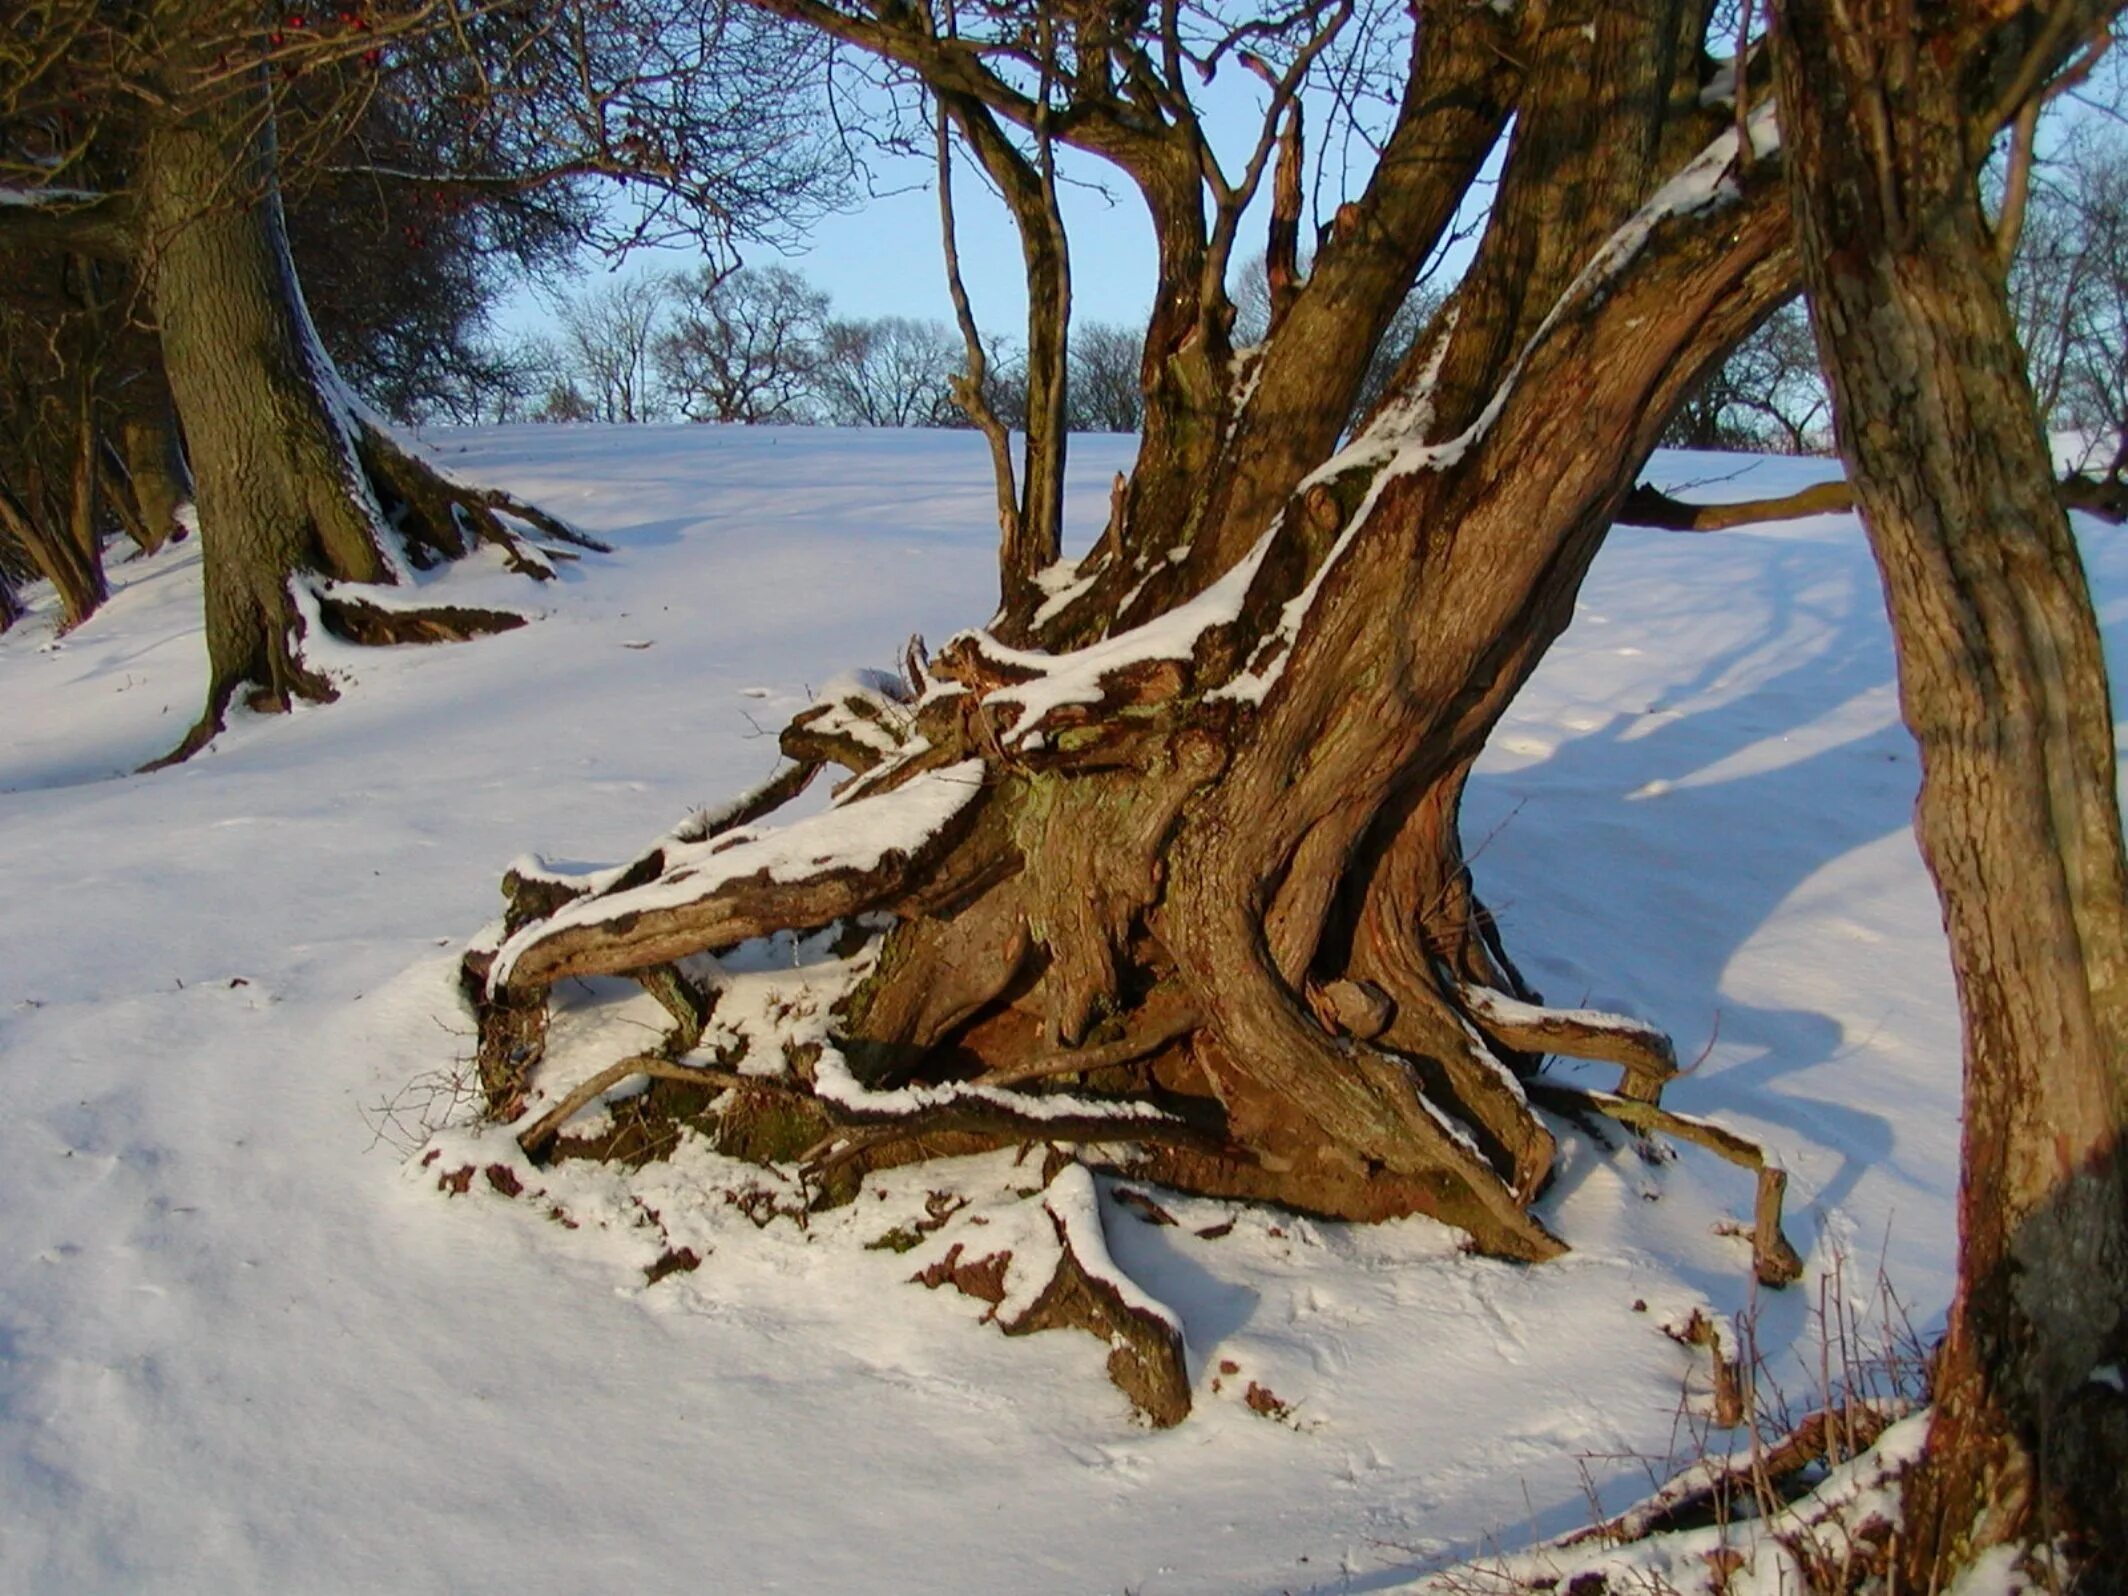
column 245, row 1347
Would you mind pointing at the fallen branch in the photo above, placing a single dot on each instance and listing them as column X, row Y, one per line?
column 534, row 1139
column 1649, row 506
column 1711, row 1492
column 1643, row 1052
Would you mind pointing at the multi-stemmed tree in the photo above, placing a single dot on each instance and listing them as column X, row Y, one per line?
column 1167, row 855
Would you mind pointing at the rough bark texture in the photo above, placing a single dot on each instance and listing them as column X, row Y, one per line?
column 74, row 570
column 2004, row 686
column 1247, row 904
column 292, row 480
column 1198, row 904
column 156, row 475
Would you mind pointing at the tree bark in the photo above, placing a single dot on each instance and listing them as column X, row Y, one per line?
column 1216, row 890
column 76, row 574
column 156, row 474
column 2004, row 686
column 296, row 488
column 280, row 490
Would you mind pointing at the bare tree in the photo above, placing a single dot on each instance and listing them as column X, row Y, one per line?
column 1105, row 396
column 1164, row 862
column 159, row 137
column 745, row 346
column 1766, row 398
column 2069, row 292
column 893, row 372
column 1167, row 854
column 611, row 338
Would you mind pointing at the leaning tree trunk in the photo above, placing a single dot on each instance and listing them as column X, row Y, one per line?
column 2003, row 683
column 1192, row 896
column 297, row 489
column 47, row 537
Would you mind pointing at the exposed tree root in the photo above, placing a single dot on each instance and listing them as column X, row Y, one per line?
column 438, row 519
column 1091, row 899
column 1084, row 1290
column 1773, row 1260
column 358, row 620
column 1032, row 978
column 294, row 554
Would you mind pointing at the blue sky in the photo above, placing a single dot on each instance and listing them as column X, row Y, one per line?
column 880, row 255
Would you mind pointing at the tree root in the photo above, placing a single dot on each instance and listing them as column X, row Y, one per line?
column 1645, row 1053
column 536, row 1138
column 1084, row 1291
column 1773, row 1260
column 707, row 898
column 440, row 520
column 357, row 620
column 1011, row 916
column 1770, row 1476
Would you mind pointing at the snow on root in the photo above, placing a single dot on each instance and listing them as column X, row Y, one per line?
column 1047, row 1266
column 854, row 840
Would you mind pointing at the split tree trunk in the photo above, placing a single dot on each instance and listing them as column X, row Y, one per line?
column 2003, row 683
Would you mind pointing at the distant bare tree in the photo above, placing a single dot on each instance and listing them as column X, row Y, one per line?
column 2069, row 293
column 744, row 347
column 611, row 337
column 1106, row 395
column 893, row 372
column 1767, row 397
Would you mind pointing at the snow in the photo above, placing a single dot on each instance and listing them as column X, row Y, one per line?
column 1075, row 1203
column 1076, row 678
column 246, row 1346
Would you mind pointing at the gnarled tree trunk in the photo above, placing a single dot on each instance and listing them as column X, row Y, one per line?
column 1181, row 880
column 2003, row 682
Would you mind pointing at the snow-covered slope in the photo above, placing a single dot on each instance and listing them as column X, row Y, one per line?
column 244, row 1348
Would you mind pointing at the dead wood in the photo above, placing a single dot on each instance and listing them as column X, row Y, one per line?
column 1767, row 1475
column 361, row 621
column 535, row 1138
column 2105, row 498
column 1646, row 1054
column 1775, row 1262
